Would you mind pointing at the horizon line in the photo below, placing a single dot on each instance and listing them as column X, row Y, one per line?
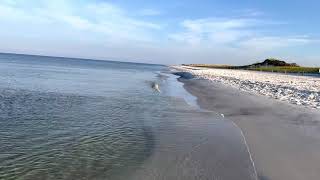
column 81, row 58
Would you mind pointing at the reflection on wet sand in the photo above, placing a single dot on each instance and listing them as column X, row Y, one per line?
column 189, row 144
column 194, row 144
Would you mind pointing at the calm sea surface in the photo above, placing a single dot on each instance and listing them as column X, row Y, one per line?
column 83, row 119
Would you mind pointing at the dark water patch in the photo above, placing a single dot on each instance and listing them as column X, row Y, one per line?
column 262, row 177
column 184, row 75
column 35, row 60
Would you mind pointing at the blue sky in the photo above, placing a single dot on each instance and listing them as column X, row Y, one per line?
column 166, row 32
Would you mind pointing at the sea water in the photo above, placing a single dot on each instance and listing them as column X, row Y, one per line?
column 65, row 118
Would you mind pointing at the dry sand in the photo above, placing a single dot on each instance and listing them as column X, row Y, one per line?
column 300, row 90
column 284, row 139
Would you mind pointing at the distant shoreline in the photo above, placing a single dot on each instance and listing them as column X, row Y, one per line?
column 268, row 65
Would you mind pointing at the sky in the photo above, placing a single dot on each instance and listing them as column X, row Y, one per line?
column 164, row 32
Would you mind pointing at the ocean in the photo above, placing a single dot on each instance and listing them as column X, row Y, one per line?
column 65, row 118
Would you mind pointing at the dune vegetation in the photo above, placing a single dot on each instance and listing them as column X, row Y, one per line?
column 268, row 65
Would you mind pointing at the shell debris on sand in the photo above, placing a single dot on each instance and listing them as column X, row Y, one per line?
column 300, row 90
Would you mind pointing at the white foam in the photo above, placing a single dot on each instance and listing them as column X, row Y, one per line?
column 300, row 90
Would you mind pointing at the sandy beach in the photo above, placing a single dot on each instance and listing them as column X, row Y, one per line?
column 159, row 90
column 299, row 90
column 284, row 139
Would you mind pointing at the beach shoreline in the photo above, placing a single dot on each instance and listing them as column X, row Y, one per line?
column 283, row 138
column 198, row 145
column 298, row 90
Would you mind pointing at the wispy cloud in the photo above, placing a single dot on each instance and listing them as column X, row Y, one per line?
column 270, row 43
column 236, row 33
column 104, row 18
column 103, row 29
column 214, row 30
column 251, row 13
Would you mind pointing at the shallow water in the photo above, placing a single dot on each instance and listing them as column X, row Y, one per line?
column 82, row 119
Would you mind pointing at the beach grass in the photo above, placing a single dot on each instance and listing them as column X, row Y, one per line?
column 281, row 69
column 287, row 69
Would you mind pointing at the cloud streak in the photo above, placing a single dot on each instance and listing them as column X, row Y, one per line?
column 214, row 31
column 104, row 18
column 244, row 38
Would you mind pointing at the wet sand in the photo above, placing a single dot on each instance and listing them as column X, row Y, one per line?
column 201, row 146
column 189, row 143
column 284, row 139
